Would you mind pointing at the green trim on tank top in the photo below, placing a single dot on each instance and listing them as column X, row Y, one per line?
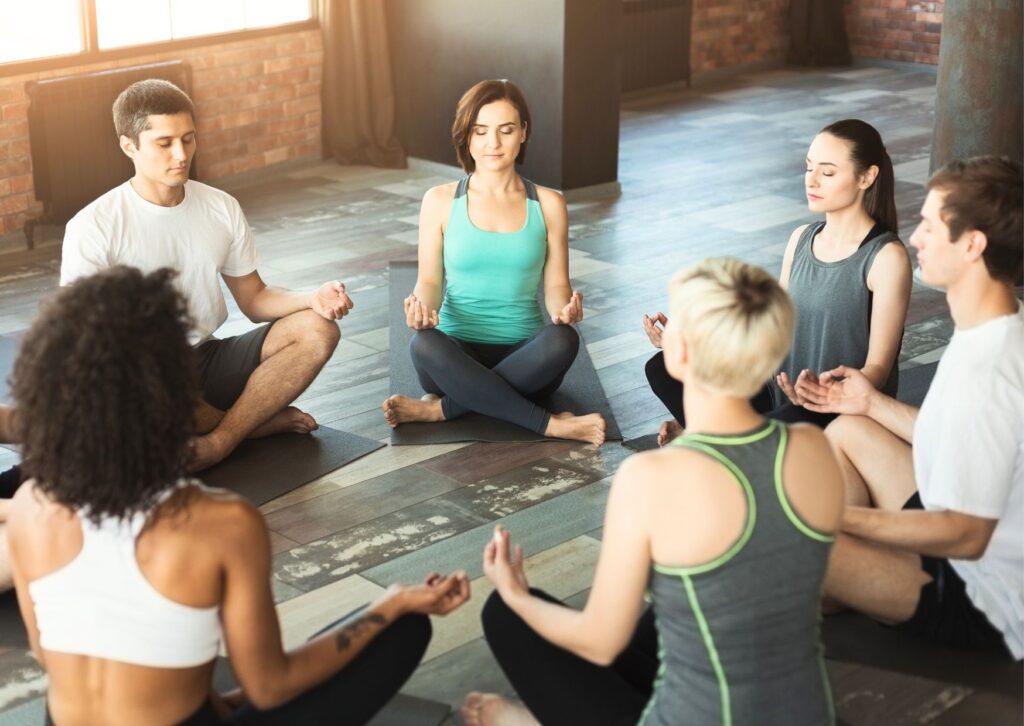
column 709, row 643
column 659, row 676
column 830, row 703
column 730, row 439
column 780, row 491
column 748, row 529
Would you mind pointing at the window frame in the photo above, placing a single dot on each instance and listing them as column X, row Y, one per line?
column 91, row 53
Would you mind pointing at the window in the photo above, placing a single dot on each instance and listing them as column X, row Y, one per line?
column 40, row 28
column 46, row 28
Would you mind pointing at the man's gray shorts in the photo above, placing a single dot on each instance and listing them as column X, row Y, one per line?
column 226, row 364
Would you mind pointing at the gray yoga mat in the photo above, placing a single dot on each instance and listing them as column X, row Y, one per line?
column 854, row 638
column 8, row 351
column 264, row 469
column 580, row 392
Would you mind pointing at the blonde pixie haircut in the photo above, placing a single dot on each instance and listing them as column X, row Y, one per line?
column 737, row 322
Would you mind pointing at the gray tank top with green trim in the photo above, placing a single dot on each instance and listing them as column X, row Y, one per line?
column 740, row 636
column 833, row 309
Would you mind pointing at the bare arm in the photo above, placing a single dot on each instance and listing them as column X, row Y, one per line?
column 268, row 675
column 557, row 288
column 19, row 521
column 936, row 534
column 890, row 283
column 261, row 303
column 787, row 256
column 604, row 627
column 434, row 211
column 8, row 427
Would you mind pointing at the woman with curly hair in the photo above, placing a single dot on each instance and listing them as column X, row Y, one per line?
column 129, row 577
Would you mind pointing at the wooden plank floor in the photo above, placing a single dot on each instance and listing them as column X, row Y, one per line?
column 709, row 172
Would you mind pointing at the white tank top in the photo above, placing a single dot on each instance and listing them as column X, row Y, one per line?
column 101, row 605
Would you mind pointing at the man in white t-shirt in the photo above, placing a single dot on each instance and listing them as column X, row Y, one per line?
column 933, row 535
column 159, row 218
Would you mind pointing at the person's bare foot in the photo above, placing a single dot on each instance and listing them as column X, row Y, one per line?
column 287, row 420
column 589, row 428
column 403, row 409
column 490, row 709
column 669, row 432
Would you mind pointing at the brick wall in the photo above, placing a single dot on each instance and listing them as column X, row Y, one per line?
column 902, row 30
column 733, row 32
column 257, row 103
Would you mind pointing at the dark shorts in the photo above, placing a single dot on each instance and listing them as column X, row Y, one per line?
column 945, row 613
column 10, row 480
column 226, row 364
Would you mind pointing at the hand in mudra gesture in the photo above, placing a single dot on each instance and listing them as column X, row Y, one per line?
column 330, row 300
column 654, row 326
column 417, row 315
column 572, row 312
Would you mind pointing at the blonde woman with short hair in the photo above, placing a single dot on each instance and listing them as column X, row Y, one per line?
column 729, row 529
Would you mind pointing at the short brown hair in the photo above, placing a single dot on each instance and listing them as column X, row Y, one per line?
column 986, row 193
column 469, row 106
column 142, row 99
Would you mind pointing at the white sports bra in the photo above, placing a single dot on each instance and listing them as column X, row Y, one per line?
column 101, row 605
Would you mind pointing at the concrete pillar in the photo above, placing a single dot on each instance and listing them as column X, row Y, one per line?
column 980, row 85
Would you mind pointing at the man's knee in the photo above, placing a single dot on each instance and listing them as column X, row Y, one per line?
column 846, row 431
column 318, row 333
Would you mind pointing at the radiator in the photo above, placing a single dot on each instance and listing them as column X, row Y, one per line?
column 76, row 156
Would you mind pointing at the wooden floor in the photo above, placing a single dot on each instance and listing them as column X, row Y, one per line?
column 710, row 172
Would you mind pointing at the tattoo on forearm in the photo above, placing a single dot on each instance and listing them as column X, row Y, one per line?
column 344, row 637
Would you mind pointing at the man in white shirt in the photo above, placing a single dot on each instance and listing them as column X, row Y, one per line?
column 933, row 535
column 161, row 219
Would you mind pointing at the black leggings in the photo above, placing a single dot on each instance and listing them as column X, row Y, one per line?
column 501, row 381
column 670, row 392
column 353, row 695
column 561, row 688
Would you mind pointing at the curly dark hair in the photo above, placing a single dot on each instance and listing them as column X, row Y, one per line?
column 105, row 386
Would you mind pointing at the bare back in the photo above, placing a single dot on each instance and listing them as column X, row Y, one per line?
column 702, row 511
column 178, row 553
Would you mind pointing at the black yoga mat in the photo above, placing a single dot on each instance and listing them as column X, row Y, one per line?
column 854, row 638
column 580, row 392
column 263, row 469
column 12, row 629
column 646, row 442
column 914, row 383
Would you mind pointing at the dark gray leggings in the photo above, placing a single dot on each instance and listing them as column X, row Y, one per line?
column 501, row 381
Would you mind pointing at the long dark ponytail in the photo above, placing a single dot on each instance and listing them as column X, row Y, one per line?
column 866, row 150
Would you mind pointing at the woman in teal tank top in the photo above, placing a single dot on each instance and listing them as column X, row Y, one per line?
column 729, row 530
column 485, row 346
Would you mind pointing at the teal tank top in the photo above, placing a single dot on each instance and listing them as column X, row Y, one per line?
column 491, row 278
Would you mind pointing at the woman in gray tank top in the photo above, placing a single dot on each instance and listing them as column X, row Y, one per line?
column 849, row 277
column 729, row 530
